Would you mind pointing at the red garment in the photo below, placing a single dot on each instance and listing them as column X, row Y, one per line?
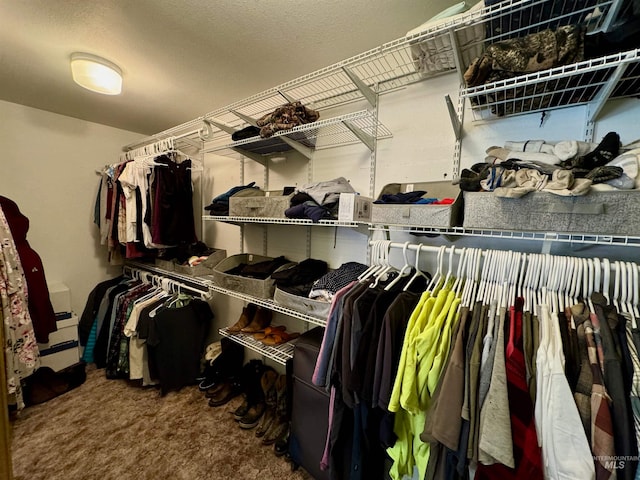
column 40, row 308
column 526, row 453
column 444, row 201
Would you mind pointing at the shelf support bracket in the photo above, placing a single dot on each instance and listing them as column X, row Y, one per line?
column 193, row 143
column 453, row 115
column 287, row 97
column 364, row 137
column 222, row 126
column 303, row 149
column 246, row 118
column 455, row 48
column 595, row 106
column 253, row 156
column 365, row 89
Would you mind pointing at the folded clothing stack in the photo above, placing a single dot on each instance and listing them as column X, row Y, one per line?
column 220, row 204
column 299, row 279
column 259, row 270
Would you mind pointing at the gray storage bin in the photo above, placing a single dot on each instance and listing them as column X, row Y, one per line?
column 272, row 205
column 168, row 265
column 305, row 305
column 439, row 216
column 205, row 267
column 251, row 286
column 613, row 213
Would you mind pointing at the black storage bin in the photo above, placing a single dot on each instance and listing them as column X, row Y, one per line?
column 309, row 407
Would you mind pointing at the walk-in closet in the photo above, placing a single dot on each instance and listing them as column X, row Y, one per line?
column 346, row 241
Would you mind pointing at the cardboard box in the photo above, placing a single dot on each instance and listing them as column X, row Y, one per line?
column 61, row 356
column 354, row 208
column 60, row 297
column 62, row 349
column 426, row 215
column 67, row 332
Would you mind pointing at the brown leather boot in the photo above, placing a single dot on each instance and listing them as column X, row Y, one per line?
column 261, row 320
column 245, row 319
column 268, row 383
column 280, row 425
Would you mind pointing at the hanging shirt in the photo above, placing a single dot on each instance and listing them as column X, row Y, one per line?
column 565, row 451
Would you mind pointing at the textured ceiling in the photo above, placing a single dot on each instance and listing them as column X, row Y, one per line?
column 183, row 58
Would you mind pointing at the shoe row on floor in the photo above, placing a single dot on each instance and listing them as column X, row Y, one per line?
column 266, row 404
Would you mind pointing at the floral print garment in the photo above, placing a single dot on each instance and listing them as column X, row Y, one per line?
column 21, row 350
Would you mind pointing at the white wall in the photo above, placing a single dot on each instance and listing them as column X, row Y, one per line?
column 48, row 168
column 421, row 150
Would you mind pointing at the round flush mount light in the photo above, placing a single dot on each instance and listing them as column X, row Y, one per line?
column 96, row 74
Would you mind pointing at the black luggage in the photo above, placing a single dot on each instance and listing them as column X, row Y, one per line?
column 309, row 408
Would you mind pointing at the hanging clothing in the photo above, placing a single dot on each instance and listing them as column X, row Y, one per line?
column 40, row 308
column 565, row 451
column 21, row 352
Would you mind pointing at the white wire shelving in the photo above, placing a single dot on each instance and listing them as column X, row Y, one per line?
column 280, row 221
column 347, row 129
column 267, row 303
column 592, row 81
column 582, row 238
column 278, row 353
column 396, row 64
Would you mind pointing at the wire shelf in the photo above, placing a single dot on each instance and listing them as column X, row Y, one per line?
column 267, row 303
column 582, row 238
column 197, row 283
column 279, row 353
column 574, row 84
column 322, row 134
column 280, row 221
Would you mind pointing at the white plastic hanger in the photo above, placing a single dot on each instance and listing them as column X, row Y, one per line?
column 452, row 252
column 375, row 258
column 460, row 272
column 404, row 271
column 636, row 294
column 616, row 284
column 469, row 277
column 438, row 275
column 606, row 276
column 418, row 273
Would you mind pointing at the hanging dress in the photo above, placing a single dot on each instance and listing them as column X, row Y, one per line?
column 20, row 347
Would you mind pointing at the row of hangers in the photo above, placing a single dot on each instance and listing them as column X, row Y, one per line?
column 145, row 156
column 168, row 285
column 486, row 275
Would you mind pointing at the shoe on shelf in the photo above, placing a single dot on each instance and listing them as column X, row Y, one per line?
column 269, row 331
column 278, row 338
column 245, row 319
column 230, row 390
column 252, row 417
column 261, row 320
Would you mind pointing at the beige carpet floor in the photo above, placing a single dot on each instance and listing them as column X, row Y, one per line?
column 108, row 429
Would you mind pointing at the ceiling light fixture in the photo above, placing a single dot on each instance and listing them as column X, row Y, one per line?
column 96, row 74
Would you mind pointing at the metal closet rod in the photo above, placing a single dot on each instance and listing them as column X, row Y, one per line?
column 140, row 273
column 613, row 264
column 423, row 248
